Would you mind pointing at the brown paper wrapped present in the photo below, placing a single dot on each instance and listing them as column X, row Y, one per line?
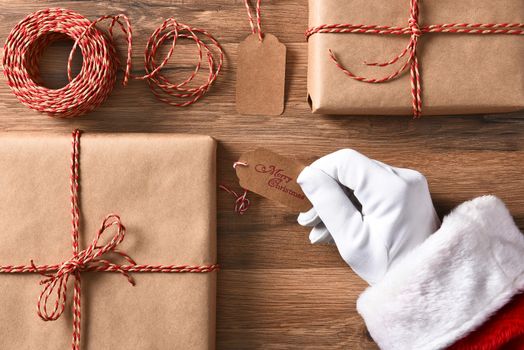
column 162, row 187
column 460, row 73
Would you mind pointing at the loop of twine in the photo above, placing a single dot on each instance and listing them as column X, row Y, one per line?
column 242, row 203
column 415, row 31
column 96, row 79
column 239, row 163
column 256, row 25
column 92, row 258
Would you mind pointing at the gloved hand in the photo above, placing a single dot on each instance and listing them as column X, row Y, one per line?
column 397, row 212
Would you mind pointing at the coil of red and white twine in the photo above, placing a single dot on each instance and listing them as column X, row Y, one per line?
column 30, row 37
column 90, row 259
column 415, row 31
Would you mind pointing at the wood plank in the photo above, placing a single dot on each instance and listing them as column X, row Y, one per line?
column 267, row 318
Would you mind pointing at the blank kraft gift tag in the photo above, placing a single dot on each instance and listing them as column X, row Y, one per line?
column 261, row 75
column 274, row 177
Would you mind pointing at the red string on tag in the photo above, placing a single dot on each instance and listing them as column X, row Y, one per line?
column 256, row 26
column 30, row 37
column 242, row 203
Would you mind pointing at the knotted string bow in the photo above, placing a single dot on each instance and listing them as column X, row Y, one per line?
column 89, row 259
column 93, row 258
column 415, row 31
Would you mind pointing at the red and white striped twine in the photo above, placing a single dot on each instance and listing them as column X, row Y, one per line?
column 30, row 37
column 242, row 203
column 87, row 260
column 416, row 31
column 256, row 25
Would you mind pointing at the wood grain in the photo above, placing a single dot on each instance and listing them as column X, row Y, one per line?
column 276, row 291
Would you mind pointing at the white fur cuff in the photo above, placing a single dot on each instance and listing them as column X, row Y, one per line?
column 466, row 271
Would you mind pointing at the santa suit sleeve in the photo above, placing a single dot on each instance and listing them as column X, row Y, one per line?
column 504, row 330
column 452, row 284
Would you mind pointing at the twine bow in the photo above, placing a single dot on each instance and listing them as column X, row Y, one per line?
column 93, row 258
column 415, row 31
column 87, row 260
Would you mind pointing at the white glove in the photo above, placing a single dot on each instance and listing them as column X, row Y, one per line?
column 397, row 211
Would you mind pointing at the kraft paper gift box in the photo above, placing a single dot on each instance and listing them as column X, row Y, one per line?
column 163, row 188
column 460, row 73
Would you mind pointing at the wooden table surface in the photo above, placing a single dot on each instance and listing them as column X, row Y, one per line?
column 276, row 291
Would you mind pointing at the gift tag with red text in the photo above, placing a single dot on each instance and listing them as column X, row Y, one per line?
column 261, row 75
column 274, row 177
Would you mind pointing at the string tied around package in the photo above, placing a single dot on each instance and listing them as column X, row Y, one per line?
column 95, row 81
column 85, row 260
column 415, row 31
column 92, row 259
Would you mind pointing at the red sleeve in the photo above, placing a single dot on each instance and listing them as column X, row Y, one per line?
column 503, row 331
